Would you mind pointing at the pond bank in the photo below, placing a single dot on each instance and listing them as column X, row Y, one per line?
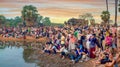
column 28, row 39
column 52, row 60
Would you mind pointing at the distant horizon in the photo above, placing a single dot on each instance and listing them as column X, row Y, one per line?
column 59, row 11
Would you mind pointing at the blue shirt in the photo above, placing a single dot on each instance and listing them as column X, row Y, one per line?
column 92, row 42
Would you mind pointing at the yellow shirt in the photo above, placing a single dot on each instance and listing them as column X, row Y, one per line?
column 62, row 40
column 107, row 33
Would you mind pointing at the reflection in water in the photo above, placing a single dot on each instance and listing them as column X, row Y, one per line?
column 17, row 54
column 24, row 44
column 26, row 55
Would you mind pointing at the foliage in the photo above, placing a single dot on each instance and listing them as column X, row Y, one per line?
column 87, row 16
column 46, row 21
column 105, row 16
column 18, row 19
column 2, row 19
column 72, row 21
column 75, row 21
column 29, row 14
column 57, row 24
column 13, row 22
column 39, row 20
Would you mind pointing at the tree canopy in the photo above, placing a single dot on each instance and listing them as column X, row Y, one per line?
column 31, row 17
column 46, row 21
column 2, row 20
column 88, row 17
column 13, row 22
column 29, row 14
column 105, row 16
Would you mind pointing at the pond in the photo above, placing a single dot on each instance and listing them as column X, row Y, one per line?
column 16, row 56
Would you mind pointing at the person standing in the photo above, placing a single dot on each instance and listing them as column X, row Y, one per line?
column 87, row 40
column 93, row 45
column 72, row 43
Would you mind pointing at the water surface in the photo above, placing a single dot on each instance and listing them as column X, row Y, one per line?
column 12, row 56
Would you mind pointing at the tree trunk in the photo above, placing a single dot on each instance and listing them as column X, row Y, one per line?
column 107, row 4
column 107, row 8
column 116, row 4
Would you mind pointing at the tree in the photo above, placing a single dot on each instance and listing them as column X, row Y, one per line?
column 82, row 16
column 18, row 19
column 29, row 14
column 46, row 21
column 87, row 17
column 39, row 20
column 13, row 22
column 2, row 20
column 10, row 22
column 105, row 16
column 72, row 21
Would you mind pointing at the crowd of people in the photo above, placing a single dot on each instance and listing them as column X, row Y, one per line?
column 17, row 32
column 78, row 43
column 82, row 43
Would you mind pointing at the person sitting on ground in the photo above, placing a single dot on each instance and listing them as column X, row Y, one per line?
column 55, row 48
column 64, row 52
column 80, row 53
column 47, row 48
column 97, row 51
column 105, row 58
column 111, row 61
column 85, row 54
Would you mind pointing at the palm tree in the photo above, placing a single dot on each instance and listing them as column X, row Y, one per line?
column 105, row 16
column 29, row 14
column 116, row 4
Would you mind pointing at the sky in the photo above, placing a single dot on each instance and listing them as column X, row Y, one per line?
column 59, row 10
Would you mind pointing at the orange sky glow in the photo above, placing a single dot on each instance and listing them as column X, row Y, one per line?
column 59, row 10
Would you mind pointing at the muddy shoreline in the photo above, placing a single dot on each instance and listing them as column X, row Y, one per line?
column 28, row 39
column 52, row 60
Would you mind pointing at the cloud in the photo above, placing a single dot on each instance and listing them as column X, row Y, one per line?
column 57, row 9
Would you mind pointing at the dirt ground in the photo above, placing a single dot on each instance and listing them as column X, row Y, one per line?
column 28, row 39
column 52, row 60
